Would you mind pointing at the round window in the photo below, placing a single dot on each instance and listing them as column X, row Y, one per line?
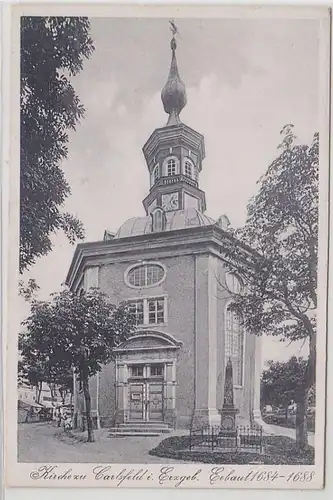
column 145, row 275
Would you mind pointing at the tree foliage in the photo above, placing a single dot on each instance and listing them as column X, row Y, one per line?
column 53, row 49
column 77, row 332
column 28, row 290
column 275, row 253
column 282, row 382
column 37, row 368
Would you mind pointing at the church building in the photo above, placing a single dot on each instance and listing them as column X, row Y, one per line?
column 169, row 266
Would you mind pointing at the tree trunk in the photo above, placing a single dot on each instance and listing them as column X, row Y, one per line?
column 286, row 415
column 302, row 402
column 51, row 386
column 85, row 385
column 63, row 396
column 301, row 421
column 39, row 392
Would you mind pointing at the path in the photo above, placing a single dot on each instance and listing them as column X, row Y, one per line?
column 277, row 430
column 40, row 442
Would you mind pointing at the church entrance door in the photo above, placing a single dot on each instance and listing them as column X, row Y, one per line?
column 146, row 378
column 146, row 398
column 155, row 404
column 146, row 402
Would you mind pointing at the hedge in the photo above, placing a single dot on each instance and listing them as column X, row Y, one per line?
column 278, row 450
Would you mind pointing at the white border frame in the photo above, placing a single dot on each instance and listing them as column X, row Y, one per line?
column 15, row 471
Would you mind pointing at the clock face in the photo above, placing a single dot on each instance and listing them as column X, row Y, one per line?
column 170, row 201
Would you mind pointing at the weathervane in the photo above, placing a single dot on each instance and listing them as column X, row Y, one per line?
column 173, row 28
column 174, row 92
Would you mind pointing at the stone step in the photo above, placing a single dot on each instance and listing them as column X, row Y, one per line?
column 139, row 430
column 133, row 434
column 145, row 425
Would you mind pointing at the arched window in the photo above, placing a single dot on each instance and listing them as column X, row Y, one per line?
column 233, row 283
column 158, row 220
column 156, row 173
column 234, row 345
column 171, row 167
column 188, row 169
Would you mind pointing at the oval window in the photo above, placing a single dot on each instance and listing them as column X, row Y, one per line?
column 145, row 275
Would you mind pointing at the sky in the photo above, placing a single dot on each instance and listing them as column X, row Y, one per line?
column 245, row 79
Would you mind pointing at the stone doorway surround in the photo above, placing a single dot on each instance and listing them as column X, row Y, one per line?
column 155, row 394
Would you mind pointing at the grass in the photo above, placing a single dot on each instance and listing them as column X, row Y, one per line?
column 290, row 423
column 278, row 450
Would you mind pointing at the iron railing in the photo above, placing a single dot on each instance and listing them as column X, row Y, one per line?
column 247, row 438
column 173, row 179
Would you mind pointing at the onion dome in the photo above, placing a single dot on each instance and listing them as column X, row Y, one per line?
column 174, row 93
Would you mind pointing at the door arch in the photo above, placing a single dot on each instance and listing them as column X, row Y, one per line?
column 146, row 377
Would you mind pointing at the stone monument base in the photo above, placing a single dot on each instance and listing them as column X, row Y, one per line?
column 227, row 439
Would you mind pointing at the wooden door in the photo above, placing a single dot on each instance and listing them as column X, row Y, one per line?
column 137, row 400
column 155, row 406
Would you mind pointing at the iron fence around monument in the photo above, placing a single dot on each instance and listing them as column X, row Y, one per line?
column 242, row 438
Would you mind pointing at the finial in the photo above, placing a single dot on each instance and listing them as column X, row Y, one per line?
column 174, row 93
column 173, row 28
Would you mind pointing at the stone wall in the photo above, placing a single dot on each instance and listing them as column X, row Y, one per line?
column 196, row 307
column 179, row 288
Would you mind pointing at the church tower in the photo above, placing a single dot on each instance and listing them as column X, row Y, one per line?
column 167, row 266
column 174, row 153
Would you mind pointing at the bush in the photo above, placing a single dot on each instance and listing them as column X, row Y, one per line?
column 278, row 450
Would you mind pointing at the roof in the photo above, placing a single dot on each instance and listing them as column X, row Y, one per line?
column 177, row 219
column 26, row 403
column 48, row 404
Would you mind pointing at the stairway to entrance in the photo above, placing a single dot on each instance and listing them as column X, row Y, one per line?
column 140, row 429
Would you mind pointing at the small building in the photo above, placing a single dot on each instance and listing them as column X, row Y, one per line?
column 30, row 394
column 170, row 266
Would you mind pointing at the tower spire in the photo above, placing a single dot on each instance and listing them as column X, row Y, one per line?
column 174, row 153
column 173, row 93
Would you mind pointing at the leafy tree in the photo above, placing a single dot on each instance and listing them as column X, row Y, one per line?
column 52, row 50
column 312, row 396
column 65, row 384
column 36, row 368
column 281, row 382
column 76, row 332
column 28, row 290
column 277, row 261
column 32, row 374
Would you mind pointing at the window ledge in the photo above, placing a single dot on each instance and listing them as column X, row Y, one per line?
column 151, row 325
